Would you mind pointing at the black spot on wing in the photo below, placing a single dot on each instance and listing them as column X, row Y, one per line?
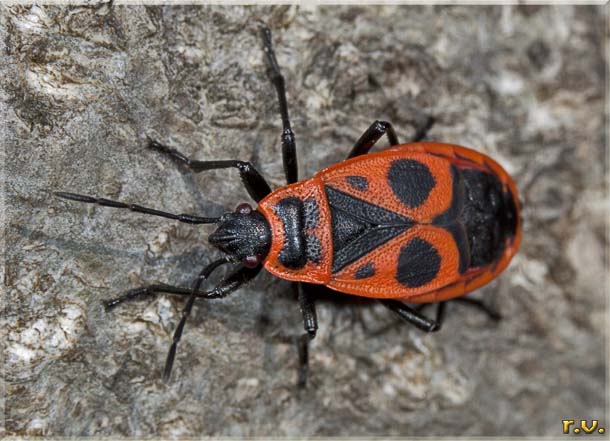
column 365, row 271
column 411, row 181
column 358, row 182
column 418, row 263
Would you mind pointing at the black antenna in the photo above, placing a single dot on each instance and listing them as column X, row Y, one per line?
column 187, row 218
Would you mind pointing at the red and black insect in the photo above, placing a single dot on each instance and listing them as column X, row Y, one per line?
column 421, row 222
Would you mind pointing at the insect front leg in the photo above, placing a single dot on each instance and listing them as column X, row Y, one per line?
column 254, row 182
column 289, row 150
column 414, row 317
column 226, row 287
column 153, row 290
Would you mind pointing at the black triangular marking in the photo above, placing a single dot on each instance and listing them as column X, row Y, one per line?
column 364, row 244
column 346, row 228
column 359, row 227
column 362, row 210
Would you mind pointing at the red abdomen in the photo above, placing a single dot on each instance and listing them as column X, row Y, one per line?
column 419, row 222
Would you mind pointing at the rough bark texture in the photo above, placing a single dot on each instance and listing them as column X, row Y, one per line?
column 82, row 88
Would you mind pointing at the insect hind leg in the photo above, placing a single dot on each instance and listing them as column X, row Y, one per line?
column 422, row 128
column 491, row 313
column 416, row 318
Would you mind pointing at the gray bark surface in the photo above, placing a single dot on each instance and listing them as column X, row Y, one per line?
column 84, row 86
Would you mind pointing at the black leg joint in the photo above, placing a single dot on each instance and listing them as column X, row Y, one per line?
column 289, row 156
column 368, row 139
column 308, row 309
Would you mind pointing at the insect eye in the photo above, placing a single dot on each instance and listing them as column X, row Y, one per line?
column 251, row 261
column 243, row 208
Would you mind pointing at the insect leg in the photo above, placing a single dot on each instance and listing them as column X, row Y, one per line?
column 310, row 323
column 308, row 309
column 289, row 154
column 371, row 136
column 226, row 287
column 475, row 303
column 186, row 218
column 414, row 317
column 303, row 347
column 478, row 304
column 153, row 290
column 422, row 128
column 254, row 182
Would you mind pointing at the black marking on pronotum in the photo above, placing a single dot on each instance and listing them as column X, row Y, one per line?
column 365, row 271
column 290, row 212
column 313, row 248
column 312, row 213
column 411, row 181
column 359, row 227
column 299, row 247
column 358, row 182
column 418, row 263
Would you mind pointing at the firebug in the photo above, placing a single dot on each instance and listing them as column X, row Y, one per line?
column 422, row 222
